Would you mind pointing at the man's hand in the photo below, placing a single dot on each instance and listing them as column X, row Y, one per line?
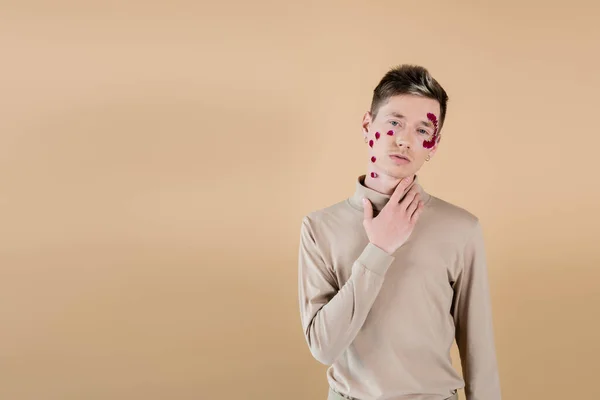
column 394, row 224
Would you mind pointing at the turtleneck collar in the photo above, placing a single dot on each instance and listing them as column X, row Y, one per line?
column 379, row 200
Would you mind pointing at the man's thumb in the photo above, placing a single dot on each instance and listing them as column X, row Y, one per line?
column 368, row 209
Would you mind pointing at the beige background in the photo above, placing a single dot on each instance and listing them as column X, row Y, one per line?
column 156, row 160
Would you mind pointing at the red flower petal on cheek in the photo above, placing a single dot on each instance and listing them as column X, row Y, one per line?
column 374, row 175
column 373, row 159
column 371, row 143
column 429, row 143
column 391, row 133
column 377, row 135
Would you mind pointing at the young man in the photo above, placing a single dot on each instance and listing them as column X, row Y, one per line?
column 386, row 286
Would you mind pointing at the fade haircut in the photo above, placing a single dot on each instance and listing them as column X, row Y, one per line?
column 409, row 79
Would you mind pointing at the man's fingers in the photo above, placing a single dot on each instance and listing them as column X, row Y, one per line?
column 400, row 188
column 410, row 196
column 417, row 212
column 413, row 206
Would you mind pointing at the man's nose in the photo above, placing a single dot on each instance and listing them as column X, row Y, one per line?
column 402, row 139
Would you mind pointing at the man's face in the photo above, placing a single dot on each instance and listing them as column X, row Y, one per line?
column 407, row 125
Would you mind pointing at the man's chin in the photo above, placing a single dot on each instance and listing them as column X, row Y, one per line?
column 401, row 172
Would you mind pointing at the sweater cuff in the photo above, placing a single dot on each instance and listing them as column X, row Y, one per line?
column 375, row 259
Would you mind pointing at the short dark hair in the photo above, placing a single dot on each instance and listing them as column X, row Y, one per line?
column 409, row 79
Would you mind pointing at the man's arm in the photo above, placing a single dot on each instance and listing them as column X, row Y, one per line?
column 331, row 318
column 473, row 322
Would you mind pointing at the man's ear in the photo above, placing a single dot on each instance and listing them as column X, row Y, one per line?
column 366, row 122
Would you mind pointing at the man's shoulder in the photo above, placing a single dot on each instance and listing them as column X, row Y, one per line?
column 452, row 213
column 331, row 214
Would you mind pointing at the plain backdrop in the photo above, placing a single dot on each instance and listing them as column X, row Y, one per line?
column 156, row 159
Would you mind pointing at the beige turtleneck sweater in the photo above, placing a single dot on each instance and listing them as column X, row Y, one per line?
column 385, row 323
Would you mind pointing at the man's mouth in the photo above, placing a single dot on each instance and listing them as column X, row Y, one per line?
column 399, row 157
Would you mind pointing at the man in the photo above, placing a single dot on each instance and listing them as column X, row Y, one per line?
column 385, row 286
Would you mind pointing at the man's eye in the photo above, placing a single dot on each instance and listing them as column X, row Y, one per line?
column 394, row 122
column 423, row 132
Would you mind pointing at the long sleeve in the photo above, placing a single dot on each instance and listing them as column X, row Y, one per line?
column 473, row 322
column 331, row 316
